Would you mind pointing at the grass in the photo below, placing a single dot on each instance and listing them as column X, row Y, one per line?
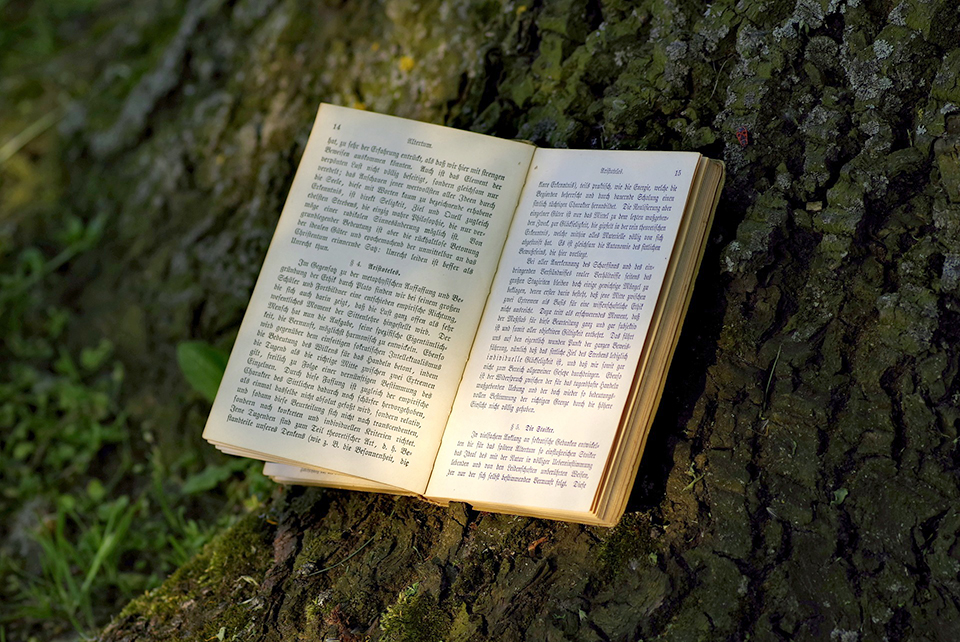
column 92, row 514
column 92, row 510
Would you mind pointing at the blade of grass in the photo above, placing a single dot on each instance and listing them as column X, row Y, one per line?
column 29, row 133
column 105, row 548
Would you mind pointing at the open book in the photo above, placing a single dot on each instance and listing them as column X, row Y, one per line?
column 464, row 318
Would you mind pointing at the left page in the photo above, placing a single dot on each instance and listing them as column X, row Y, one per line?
column 355, row 338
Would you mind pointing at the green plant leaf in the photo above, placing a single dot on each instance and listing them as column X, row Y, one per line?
column 211, row 476
column 202, row 366
column 95, row 490
column 93, row 358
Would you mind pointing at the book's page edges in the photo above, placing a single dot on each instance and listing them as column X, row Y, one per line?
column 576, row 517
column 629, row 422
column 625, row 460
column 299, row 475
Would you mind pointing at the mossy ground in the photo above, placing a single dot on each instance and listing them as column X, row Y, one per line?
column 800, row 480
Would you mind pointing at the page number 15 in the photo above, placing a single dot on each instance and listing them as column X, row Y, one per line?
column 677, row 173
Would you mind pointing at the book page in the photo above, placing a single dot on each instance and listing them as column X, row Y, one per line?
column 356, row 335
column 554, row 360
column 287, row 474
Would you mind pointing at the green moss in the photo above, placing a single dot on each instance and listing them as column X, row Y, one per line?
column 220, row 568
column 238, row 550
column 317, row 610
column 464, row 626
column 907, row 318
column 475, row 571
column 229, row 624
column 629, row 540
column 415, row 617
column 315, row 546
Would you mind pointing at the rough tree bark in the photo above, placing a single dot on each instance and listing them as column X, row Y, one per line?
column 801, row 478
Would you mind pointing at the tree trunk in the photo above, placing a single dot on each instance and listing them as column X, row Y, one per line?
column 800, row 481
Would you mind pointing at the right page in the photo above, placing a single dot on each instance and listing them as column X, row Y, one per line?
column 553, row 363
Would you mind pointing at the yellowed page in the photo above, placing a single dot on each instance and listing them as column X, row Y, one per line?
column 554, row 359
column 356, row 335
column 286, row 474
